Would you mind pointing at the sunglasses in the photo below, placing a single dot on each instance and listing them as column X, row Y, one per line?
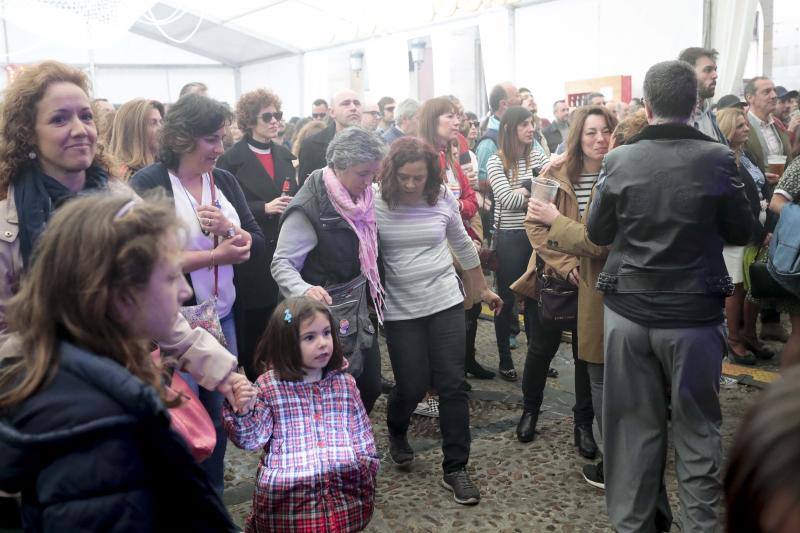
column 267, row 117
column 390, row 109
column 475, row 123
column 318, row 116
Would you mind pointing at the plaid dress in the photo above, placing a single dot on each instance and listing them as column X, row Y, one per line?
column 318, row 469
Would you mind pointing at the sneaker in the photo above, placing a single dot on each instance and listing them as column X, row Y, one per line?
column 400, row 450
column 512, row 342
column 593, row 474
column 464, row 491
column 428, row 407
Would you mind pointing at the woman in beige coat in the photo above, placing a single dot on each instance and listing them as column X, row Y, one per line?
column 571, row 237
column 586, row 145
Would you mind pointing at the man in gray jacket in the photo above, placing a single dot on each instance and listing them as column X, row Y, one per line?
column 667, row 202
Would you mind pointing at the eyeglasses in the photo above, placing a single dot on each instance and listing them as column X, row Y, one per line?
column 267, row 117
column 475, row 123
column 375, row 114
column 318, row 116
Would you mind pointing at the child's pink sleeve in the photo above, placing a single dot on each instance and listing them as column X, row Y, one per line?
column 252, row 430
column 361, row 430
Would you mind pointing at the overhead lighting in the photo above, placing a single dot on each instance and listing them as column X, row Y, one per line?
column 357, row 61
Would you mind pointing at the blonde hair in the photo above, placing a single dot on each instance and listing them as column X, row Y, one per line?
column 726, row 120
column 18, row 116
column 129, row 135
column 95, row 248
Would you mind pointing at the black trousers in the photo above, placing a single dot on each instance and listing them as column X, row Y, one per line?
column 250, row 326
column 542, row 347
column 472, row 315
column 426, row 353
column 369, row 382
column 514, row 251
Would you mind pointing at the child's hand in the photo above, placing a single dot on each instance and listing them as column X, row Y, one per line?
column 244, row 394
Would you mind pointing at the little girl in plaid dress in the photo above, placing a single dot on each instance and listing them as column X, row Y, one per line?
column 318, row 469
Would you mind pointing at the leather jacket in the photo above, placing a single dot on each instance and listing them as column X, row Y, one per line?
column 667, row 202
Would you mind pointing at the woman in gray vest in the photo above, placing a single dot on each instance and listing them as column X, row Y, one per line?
column 328, row 237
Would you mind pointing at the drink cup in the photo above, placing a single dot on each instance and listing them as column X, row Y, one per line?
column 544, row 190
column 776, row 164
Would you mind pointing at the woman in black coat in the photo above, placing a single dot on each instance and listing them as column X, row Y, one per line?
column 266, row 175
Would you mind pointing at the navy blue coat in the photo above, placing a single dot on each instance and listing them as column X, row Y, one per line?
column 92, row 450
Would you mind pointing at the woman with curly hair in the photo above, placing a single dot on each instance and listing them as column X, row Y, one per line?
column 418, row 224
column 134, row 135
column 266, row 175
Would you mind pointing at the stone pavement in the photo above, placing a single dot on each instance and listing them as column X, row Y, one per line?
column 525, row 487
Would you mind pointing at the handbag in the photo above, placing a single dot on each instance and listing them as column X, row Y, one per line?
column 558, row 300
column 189, row 419
column 763, row 285
column 489, row 259
column 350, row 311
column 204, row 315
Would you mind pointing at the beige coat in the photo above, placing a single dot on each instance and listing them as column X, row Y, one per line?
column 563, row 246
column 197, row 351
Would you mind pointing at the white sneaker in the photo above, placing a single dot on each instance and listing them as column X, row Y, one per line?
column 428, row 407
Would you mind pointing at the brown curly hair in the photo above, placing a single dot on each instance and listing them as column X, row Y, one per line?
column 249, row 105
column 18, row 116
column 409, row 150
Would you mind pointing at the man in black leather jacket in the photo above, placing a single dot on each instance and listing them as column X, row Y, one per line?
column 666, row 203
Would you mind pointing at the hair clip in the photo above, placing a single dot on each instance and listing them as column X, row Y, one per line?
column 287, row 316
column 124, row 210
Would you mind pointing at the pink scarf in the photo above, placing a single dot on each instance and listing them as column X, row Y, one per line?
column 361, row 217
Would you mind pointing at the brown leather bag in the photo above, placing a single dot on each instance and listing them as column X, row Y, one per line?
column 558, row 300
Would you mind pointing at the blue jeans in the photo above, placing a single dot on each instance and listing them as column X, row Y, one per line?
column 214, row 466
column 513, row 251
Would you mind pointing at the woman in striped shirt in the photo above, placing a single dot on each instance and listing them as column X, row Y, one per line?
column 510, row 172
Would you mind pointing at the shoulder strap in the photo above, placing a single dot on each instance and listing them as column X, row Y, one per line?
column 216, row 239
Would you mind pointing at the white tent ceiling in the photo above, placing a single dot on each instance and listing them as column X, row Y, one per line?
column 237, row 32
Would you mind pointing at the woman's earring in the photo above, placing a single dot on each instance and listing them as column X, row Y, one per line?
column 31, row 155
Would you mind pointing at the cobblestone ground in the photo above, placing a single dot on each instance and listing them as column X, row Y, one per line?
column 524, row 487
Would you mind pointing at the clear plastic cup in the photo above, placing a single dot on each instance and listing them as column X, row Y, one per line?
column 544, row 190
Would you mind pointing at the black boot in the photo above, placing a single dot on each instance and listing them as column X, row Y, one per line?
column 526, row 428
column 472, row 367
column 585, row 442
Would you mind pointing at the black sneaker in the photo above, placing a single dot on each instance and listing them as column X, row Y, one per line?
column 464, row 491
column 593, row 474
column 401, row 451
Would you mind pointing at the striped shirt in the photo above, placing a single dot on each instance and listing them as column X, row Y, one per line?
column 583, row 189
column 420, row 277
column 511, row 207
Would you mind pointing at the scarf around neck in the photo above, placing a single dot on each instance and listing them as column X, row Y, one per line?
column 37, row 196
column 361, row 217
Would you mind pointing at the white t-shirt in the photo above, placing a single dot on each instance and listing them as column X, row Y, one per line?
column 203, row 279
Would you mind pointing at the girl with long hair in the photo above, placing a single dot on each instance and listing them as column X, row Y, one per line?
column 134, row 135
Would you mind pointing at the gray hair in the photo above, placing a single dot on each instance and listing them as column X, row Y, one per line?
column 670, row 90
column 354, row 146
column 750, row 88
column 406, row 109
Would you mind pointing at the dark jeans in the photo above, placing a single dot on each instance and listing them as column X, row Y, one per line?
column 472, row 329
column 369, row 382
column 250, row 326
column 513, row 251
column 542, row 346
column 428, row 353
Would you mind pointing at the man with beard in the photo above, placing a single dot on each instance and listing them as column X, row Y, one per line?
column 704, row 63
column 345, row 112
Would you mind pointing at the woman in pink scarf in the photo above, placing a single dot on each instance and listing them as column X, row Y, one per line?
column 329, row 237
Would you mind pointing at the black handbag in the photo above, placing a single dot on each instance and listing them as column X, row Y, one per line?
column 763, row 285
column 350, row 311
column 558, row 300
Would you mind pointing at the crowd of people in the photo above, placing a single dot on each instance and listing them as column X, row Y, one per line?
column 151, row 244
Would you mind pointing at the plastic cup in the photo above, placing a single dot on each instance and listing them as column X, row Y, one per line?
column 544, row 190
column 776, row 164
